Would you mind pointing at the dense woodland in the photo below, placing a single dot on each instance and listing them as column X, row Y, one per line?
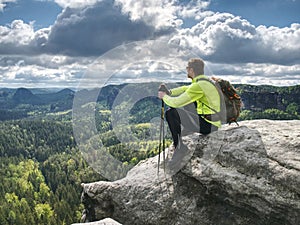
column 41, row 173
column 42, row 167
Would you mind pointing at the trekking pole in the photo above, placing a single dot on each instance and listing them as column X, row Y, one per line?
column 162, row 129
column 161, row 133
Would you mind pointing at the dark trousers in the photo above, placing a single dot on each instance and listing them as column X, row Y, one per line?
column 189, row 120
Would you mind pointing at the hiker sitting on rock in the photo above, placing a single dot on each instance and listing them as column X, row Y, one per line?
column 196, row 117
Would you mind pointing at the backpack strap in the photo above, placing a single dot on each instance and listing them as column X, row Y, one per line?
column 215, row 111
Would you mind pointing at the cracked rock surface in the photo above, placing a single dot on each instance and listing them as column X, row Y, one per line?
column 238, row 175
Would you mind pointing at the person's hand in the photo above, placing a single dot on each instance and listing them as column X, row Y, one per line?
column 161, row 94
column 164, row 88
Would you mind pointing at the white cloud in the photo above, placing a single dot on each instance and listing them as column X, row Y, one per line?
column 16, row 38
column 22, row 73
column 97, row 29
column 157, row 13
column 257, row 74
column 223, row 37
column 283, row 44
column 233, row 47
column 18, row 33
column 148, row 71
column 164, row 13
column 3, row 3
column 214, row 34
column 76, row 3
column 194, row 9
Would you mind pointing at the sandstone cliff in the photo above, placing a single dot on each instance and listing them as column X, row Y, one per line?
column 238, row 175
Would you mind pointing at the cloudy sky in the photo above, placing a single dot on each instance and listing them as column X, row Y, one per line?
column 52, row 43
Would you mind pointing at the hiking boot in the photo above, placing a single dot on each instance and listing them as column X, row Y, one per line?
column 178, row 158
column 186, row 132
column 171, row 148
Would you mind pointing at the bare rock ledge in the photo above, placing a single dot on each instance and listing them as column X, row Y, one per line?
column 239, row 175
column 107, row 221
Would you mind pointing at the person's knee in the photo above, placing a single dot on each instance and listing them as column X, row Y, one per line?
column 170, row 113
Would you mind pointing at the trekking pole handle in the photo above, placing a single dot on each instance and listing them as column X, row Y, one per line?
column 164, row 88
column 162, row 115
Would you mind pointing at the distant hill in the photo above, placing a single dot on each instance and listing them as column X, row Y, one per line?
column 19, row 103
column 255, row 98
column 62, row 95
column 25, row 96
column 11, row 98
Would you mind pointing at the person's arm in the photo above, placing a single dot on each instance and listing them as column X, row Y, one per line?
column 177, row 101
column 191, row 94
column 178, row 90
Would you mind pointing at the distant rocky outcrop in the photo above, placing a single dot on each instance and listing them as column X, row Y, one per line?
column 263, row 97
column 261, row 101
column 238, row 175
column 25, row 96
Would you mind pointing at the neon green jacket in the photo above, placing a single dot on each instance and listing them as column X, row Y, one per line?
column 200, row 91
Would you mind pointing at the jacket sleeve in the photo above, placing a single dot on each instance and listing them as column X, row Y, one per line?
column 189, row 94
column 179, row 90
column 177, row 101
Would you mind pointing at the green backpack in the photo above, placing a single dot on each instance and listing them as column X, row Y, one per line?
column 231, row 102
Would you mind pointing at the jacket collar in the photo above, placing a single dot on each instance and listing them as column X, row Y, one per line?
column 198, row 77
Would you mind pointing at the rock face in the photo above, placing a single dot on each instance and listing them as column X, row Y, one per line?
column 253, row 100
column 239, row 175
column 106, row 221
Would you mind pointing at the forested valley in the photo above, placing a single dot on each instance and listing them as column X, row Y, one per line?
column 42, row 167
